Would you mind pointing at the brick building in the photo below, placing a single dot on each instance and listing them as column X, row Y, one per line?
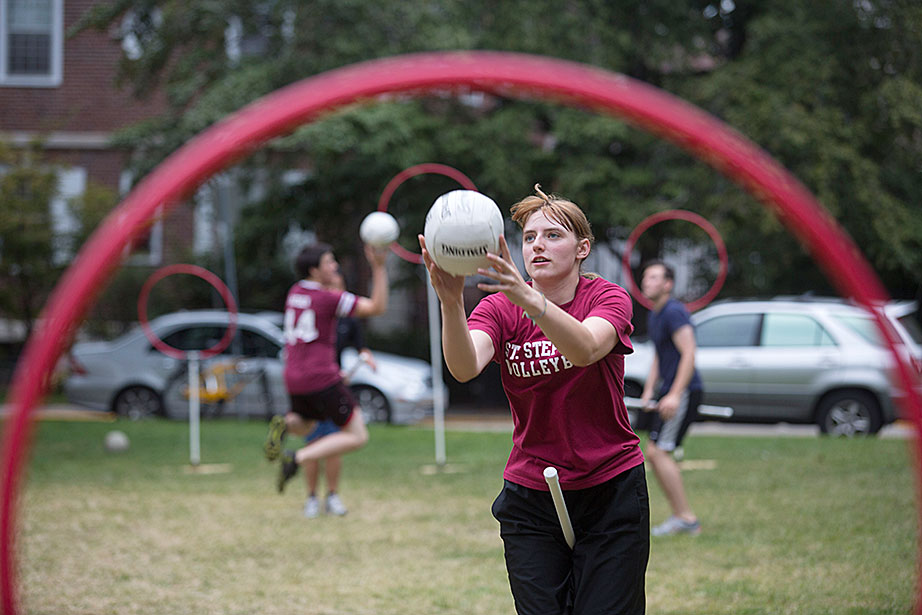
column 61, row 91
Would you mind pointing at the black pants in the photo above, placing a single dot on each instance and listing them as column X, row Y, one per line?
column 604, row 573
column 334, row 403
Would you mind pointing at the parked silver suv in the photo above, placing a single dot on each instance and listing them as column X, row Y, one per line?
column 797, row 360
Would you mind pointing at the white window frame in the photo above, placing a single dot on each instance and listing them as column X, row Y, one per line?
column 71, row 184
column 54, row 78
column 205, row 220
column 154, row 255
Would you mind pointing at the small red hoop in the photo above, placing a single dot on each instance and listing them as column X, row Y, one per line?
column 198, row 272
column 686, row 216
column 419, row 169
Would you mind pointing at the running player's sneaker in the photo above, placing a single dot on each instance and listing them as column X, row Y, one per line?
column 287, row 468
column 312, row 507
column 335, row 506
column 273, row 445
column 674, row 525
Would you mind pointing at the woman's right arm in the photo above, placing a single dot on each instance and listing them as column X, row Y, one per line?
column 466, row 352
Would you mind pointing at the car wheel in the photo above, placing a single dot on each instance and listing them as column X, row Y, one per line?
column 374, row 404
column 849, row 413
column 137, row 403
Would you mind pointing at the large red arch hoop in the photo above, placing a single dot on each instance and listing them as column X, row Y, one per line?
column 419, row 169
column 687, row 216
column 503, row 73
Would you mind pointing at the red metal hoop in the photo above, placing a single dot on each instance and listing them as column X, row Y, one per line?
column 508, row 74
column 198, row 272
column 419, row 169
column 686, row 216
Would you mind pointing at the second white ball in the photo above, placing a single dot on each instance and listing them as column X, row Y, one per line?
column 379, row 228
column 116, row 441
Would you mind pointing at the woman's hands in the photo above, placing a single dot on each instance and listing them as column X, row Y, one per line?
column 505, row 275
column 509, row 281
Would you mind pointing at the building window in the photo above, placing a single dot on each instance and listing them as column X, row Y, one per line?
column 147, row 249
column 31, row 42
column 71, row 184
column 205, row 225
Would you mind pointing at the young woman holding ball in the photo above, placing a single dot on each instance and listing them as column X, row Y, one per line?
column 560, row 341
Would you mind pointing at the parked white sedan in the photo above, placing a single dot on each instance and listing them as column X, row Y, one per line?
column 132, row 378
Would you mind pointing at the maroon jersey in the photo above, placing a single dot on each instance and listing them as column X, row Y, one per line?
column 311, row 312
column 569, row 417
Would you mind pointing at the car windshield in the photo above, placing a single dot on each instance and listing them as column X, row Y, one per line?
column 195, row 337
column 912, row 327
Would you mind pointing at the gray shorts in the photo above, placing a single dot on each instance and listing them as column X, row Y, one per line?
column 667, row 435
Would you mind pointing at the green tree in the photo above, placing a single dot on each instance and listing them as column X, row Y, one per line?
column 27, row 268
column 32, row 255
column 830, row 89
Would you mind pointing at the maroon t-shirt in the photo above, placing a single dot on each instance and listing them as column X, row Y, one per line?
column 311, row 312
column 569, row 417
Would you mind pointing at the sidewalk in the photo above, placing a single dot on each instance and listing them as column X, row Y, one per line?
column 499, row 420
column 899, row 430
column 65, row 412
column 473, row 421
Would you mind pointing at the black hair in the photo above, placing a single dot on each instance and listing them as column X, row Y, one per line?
column 670, row 272
column 309, row 258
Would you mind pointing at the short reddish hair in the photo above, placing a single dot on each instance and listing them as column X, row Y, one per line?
column 561, row 210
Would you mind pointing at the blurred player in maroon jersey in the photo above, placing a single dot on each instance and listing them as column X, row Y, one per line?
column 312, row 374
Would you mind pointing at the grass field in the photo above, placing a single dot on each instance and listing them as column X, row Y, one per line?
column 791, row 525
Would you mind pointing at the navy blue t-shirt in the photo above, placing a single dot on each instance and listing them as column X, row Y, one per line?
column 660, row 327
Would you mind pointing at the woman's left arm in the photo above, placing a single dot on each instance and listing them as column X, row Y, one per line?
column 581, row 342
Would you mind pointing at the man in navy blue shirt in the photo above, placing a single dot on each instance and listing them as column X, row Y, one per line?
column 678, row 395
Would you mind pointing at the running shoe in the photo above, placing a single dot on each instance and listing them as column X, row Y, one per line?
column 273, row 446
column 312, row 507
column 674, row 525
column 287, row 468
column 335, row 506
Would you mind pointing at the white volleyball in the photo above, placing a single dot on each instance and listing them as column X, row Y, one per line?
column 461, row 227
column 117, row 441
column 379, row 228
